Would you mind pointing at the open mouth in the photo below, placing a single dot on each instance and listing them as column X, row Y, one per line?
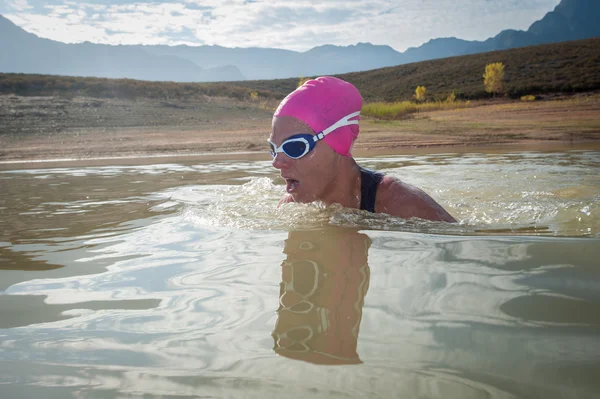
column 291, row 185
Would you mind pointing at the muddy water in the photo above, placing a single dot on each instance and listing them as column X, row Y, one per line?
column 184, row 280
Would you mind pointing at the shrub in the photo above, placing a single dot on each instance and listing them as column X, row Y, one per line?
column 420, row 93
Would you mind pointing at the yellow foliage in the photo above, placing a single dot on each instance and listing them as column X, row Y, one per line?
column 493, row 78
column 302, row 80
column 254, row 96
column 528, row 97
column 420, row 93
column 451, row 98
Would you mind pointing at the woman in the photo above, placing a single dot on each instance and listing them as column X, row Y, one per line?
column 326, row 110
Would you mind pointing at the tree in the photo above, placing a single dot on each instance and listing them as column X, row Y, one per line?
column 420, row 93
column 493, row 78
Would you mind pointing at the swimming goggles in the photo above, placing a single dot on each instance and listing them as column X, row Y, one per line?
column 299, row 145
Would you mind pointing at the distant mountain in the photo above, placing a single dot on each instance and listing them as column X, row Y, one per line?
column 267, row 63
column 252, row 63
column 24, row 52
column 570, row 20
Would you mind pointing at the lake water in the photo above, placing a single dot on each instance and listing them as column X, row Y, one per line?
column 183, row 279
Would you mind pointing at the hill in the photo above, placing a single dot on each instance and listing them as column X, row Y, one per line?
column 553, row 68
column 567, row 67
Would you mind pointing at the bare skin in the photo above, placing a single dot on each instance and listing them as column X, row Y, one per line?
column 329, row 177
column 397, row 198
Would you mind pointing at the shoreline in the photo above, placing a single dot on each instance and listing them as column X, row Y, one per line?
column 151, row 158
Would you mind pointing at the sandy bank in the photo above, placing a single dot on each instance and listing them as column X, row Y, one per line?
column 38, row 128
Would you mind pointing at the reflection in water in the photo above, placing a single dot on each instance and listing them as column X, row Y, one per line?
column 324, row 281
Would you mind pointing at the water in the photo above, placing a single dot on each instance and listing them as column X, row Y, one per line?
column 185, row 280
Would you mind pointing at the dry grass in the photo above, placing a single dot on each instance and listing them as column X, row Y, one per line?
column 404, row 109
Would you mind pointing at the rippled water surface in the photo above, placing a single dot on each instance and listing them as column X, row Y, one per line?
column 185, row 280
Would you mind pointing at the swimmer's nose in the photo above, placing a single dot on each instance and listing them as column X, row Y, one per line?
column 281, row 161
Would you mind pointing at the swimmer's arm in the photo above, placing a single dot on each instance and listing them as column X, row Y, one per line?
column 400, row 199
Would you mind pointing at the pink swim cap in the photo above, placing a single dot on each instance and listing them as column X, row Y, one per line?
column 322, row 102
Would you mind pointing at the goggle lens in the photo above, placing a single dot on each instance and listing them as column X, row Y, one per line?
column 273, row 153
column 294, row 149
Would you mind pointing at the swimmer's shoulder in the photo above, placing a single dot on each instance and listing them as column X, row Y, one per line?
column 401, row 199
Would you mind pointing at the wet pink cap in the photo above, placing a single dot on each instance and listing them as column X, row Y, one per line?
column 322, row 102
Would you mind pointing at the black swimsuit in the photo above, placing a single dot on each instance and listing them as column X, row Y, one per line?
column 369, row 180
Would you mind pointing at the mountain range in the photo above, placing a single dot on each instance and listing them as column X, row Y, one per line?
column 23, row 52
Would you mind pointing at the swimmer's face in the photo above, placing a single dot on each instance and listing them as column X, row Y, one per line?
column 309, row 178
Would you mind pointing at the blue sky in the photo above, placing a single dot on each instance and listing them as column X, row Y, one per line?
column 296, row 25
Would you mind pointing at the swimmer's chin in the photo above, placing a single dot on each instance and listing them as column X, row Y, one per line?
column 286, row 199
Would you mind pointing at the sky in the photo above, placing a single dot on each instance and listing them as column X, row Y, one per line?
column 294, row 25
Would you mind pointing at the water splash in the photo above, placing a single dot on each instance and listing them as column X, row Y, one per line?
column 524, row 194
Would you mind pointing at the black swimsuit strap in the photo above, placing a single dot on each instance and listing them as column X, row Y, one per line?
column 369, row 180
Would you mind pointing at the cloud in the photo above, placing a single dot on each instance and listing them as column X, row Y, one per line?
column 296, row 24
column 18, row 5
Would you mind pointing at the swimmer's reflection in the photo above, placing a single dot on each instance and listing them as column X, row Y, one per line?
column 324, row 281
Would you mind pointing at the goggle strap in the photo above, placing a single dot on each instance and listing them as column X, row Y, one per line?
column 342, row 122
